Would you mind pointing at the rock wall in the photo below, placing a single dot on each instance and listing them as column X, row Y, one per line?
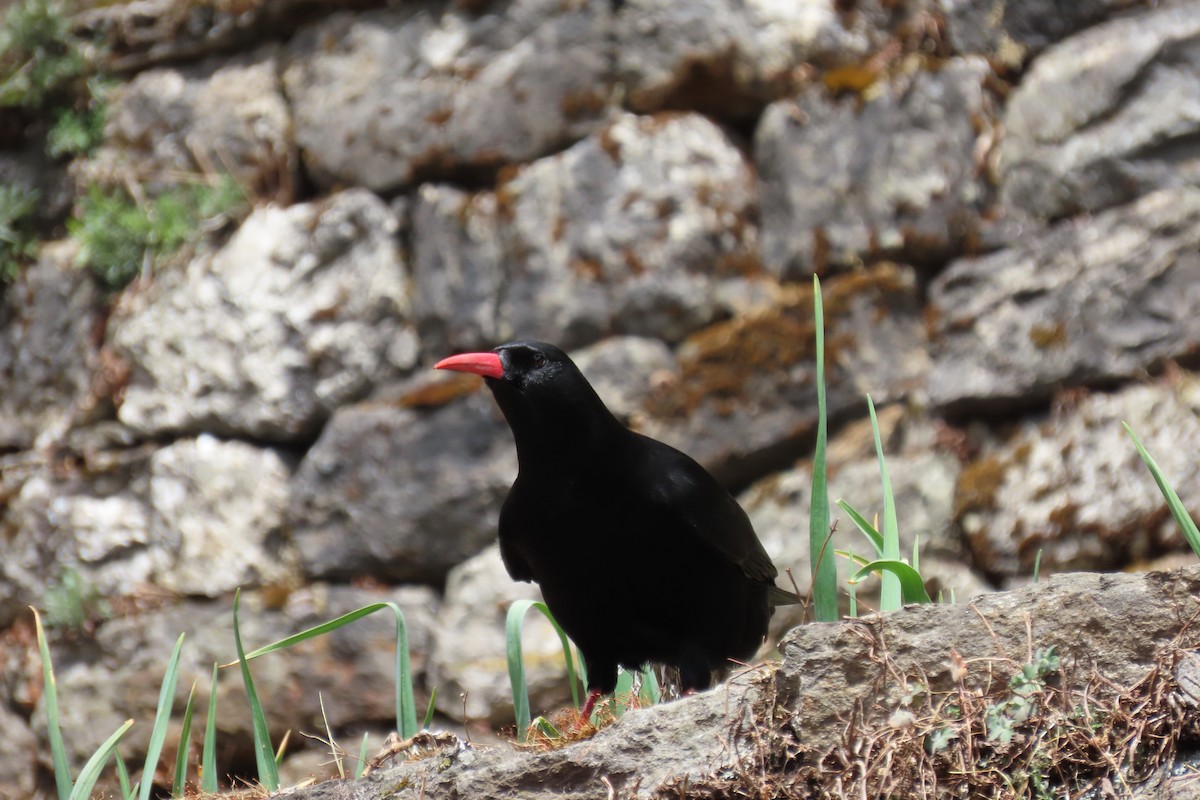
column 1002, row 199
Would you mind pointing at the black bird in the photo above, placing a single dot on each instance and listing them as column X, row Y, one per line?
column 641, row 555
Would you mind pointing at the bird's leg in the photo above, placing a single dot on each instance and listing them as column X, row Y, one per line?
column 589, row 706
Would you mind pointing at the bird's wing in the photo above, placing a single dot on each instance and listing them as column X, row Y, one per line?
column 686, row 491
column 518, row 568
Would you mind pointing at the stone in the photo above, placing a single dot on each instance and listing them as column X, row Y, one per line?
column 836, row 192
column 469, row 664
column 1089, row 301
column 305, row 308
column 222, row 116
column 1073, row 487
column 218, row 510
column 1105, row 117
column 1013, row 31
column 743, row 400
column 861, row 670
column 726, row 59
column 430, row 91
column 19, row 751
column 401, row 494
column 634, row 230
column 50, row 362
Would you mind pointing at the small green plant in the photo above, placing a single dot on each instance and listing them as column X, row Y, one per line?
column 901, row 580
column 72, row 603
column 824, row 567
column 79, row 129
column 120, row 238
column 1002, row 717
column 40, row 62
column 18, row 243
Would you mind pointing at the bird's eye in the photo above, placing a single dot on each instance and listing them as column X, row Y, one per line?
column 538, row 360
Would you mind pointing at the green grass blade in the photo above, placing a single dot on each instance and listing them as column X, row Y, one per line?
column 95, row 765
column 430, row 709
column 912, row 586
column 264, row 755
column 406, row 712
column 1037, row 565
column 181, row 758
column 516, row 664
column 890, row 591
column 315, row 631
column 651, row 694
column 406, row 705
column 58, row 751
column 623, row 693
column 208, row 756
column 162, row 717
column 362, row 757
column 1182, row 518
column 868, row 530
column 127, row 789
column 824, row 567
column 547, row 728
column 916, row 557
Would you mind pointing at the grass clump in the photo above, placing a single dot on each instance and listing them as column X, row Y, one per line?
column 73, row 604
column 46, row 72
column 120, row 237
column 41, row 63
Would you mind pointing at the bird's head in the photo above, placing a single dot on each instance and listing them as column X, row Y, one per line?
column 542, row 393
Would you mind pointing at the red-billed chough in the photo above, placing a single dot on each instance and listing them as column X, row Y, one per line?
column 641, row 555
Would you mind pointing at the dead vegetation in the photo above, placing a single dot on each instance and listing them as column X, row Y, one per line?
column 1053, row 727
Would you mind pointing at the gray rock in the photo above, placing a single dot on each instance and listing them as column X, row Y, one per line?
column 1074, row 487
column 1011, row 31
column 1104, row 117
column 221, row 116
column 727, row 59
column 624, row 369
column 198, row 517
column 630, row 231
column 1115, row 623
column 218, row 510
column 303, row 310
column 19, row 751
column 431, row 90
column 469, row 653
column 833, row 191
column 743, row 401
column 633, row 230
column 860, row 670
column 50, row 364
column 401, row 494
column 96, row 525
column 460, row 263
column 1088, row 301
column 149, row 32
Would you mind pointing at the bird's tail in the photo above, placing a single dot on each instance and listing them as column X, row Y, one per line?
column 781, row 597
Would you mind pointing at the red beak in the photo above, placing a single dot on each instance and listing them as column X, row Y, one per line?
column 485, row 364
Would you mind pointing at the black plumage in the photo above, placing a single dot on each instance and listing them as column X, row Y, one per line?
column 640, row 553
